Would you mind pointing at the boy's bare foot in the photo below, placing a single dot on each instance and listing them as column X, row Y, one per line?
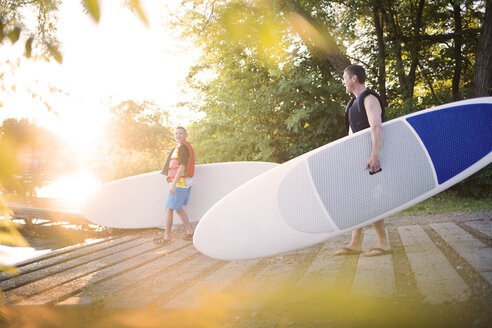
column 162, row 241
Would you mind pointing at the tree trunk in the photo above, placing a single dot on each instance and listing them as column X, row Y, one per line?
column 414, row 50
column 482, row 76
column 397, row 55
column 412, row 47
column 378, row 24
column 458, row 41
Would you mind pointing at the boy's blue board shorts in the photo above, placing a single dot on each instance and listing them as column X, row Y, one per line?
column 179, row 199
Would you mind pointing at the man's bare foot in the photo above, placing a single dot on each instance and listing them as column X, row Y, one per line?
column 347, row 251
column 377, row 251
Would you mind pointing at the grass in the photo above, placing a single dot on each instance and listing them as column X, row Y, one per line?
column 449, row 201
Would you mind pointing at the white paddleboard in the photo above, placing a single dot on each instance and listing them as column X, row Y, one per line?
column 139, row 201
column 328, row 191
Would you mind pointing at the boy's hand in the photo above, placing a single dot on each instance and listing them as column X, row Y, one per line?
column 171, row 189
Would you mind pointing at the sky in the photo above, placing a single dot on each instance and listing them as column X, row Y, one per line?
column 119, row 58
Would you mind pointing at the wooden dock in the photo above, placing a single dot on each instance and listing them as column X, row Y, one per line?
column 437, row 259
column 50, row 209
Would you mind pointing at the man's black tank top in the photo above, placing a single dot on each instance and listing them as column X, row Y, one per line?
column 355, row 112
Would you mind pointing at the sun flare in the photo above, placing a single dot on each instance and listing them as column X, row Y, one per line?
column 75, row 187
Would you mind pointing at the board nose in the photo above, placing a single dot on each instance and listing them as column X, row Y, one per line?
column 455, row 138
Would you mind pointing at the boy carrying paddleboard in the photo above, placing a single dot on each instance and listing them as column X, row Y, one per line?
column 179, row 169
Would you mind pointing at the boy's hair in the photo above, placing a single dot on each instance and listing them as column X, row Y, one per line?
column 358, row 71
column 182, row 128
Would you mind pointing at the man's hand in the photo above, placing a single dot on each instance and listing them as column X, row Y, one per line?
column 374, row 165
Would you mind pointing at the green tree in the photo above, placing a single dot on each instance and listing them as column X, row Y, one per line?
column 264, row 96
column 139, row 126
column 136, row 138
column 39, row 34
column 417, row 53
column 28, row 153
column 40, row 155
column 268, row 81
column 39, row 40
column 482, row 78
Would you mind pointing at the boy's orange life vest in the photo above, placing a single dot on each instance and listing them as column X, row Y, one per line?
column 171, row 166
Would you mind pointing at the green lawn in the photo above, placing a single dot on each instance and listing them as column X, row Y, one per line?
column 448, row 201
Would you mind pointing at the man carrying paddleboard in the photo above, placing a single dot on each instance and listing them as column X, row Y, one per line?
column 179, row 169
column 364, row 111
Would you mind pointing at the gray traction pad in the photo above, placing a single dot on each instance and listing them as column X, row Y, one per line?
column 349, row 194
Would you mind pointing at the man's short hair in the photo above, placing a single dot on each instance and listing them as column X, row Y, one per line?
column 358, row 71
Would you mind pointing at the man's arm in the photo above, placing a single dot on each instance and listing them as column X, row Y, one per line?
column 373, row 111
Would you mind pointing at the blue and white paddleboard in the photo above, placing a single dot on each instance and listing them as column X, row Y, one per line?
column 328, row 191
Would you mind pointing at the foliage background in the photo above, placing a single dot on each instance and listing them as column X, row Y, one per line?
column 267, row 85
column 135, row 140
column 268, row 81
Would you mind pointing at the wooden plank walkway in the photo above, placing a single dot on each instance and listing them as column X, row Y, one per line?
column 437, row 258
column 47, row 209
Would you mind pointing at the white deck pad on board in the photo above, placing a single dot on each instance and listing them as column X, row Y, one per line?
column 138, row 201
column 327, row 192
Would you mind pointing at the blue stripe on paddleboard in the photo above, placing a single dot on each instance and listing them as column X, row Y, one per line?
column 455, row 137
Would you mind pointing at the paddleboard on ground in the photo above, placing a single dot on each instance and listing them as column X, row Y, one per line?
column 328, row 191
column 138, row 201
